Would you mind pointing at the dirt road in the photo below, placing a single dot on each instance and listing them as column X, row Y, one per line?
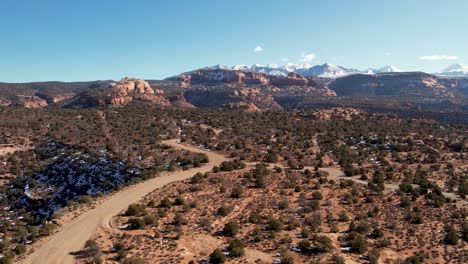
column 72, row 236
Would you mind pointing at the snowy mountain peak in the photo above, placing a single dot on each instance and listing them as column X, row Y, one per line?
column 240, row 67
column 217, row 67
column 388, row 68
column 326, row 70
column 456, row 68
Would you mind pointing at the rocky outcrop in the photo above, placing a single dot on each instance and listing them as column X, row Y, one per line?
column 247, row 107
column 122, row 93
column 224, row 97
column 130, row 89
column 180, row 101
column 220, row 76
column 30, row 101
column 131, row 85
column 293, row 79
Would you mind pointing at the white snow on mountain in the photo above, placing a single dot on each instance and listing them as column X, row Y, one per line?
column 455, row 70
column 388, row 68
column 325, row 70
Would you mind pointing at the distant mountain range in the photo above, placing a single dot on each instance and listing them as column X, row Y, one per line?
column 329, row 70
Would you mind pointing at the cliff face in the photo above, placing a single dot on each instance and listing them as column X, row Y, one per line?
column 292, row 79
column 222, row 76
column 30, row 101
column 254, row 98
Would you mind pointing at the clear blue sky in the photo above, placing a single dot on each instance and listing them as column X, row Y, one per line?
column 73, row 40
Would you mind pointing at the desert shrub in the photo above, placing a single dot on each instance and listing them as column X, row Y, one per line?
column 134, row 260
column 91, row 249
column 236, row 192
column 217, row 257
column 223, row 210
column 179, row 220
column 359, row 244
column 236, row 248
column 135, row 210
column 179, row 200
column 271, row 157
column 254, row 218
column 286, row 259
column 323, row 243
column 231, row 229
column 413, row 260
column 19, row 249
column 304, row 245
column 150, row 219
column 275, row 224
column 197, row 178
column 165, row 203
column 338, row 259
column 283, row 204
column 205, row 224
column 374, row 256
column 317, row 195
column 137, row 223
column 451, row 237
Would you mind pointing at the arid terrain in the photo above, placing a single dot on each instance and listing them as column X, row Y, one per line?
column 196, row 170
column 60, row 246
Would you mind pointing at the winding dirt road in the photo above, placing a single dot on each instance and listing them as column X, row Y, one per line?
column 72, row 236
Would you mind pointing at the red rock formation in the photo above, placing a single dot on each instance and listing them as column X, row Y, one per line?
column 29, row 101
column 293, row 79
column 221, row 76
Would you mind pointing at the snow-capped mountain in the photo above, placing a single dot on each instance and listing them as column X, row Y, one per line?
column 325, row 70
column 384, row 69
column 455, row 70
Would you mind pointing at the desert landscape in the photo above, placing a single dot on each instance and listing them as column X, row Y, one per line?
column 248, row 131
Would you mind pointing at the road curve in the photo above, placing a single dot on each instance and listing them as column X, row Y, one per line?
column 72, row 236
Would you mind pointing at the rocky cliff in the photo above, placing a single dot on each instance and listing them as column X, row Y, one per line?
column 121, row 93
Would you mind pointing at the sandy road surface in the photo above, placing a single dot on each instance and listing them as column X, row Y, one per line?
column 72, row 236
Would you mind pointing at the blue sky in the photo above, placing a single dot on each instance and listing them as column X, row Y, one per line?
column 107, row 39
